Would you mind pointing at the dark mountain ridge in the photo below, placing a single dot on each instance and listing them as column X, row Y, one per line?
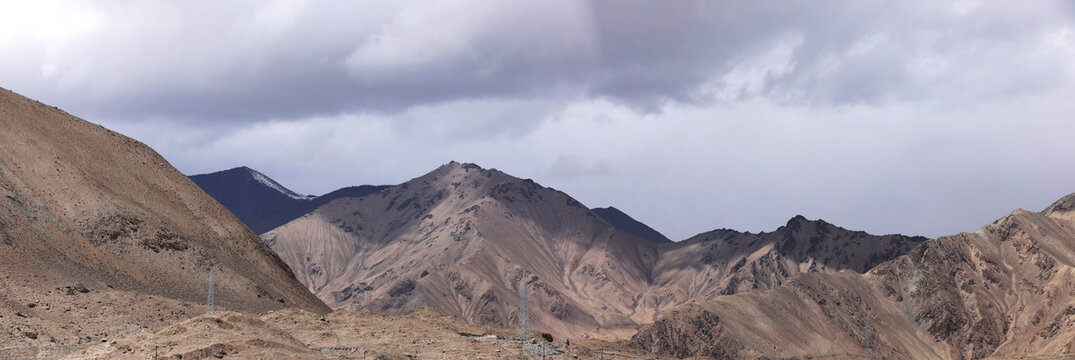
column 262, row 203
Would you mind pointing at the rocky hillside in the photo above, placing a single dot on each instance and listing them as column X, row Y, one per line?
column 1002, row 291
column 724, row 262
column 461, row 239
column 263, row 204
column 82, row 204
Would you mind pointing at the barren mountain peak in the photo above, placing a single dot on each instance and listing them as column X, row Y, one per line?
column 462, row 239
column 800, row 223
column 454, row 167
column 461, row 165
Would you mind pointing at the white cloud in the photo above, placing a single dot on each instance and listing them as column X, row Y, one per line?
column 749, row 77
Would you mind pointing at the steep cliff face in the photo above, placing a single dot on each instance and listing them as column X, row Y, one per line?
column 463, row 239
column 1003, row 290
column 82, row 204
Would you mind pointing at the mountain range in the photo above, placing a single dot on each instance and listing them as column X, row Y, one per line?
column 464, row 240
column 107, row 251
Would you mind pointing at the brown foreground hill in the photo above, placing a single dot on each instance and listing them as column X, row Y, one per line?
column 100, row 236
column 1005, row 291
column 463, row 239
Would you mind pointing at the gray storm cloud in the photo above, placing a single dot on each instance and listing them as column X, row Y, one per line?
column 247, row 61
column 913, row 116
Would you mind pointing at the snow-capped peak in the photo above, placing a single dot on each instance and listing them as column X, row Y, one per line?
column 265, row 180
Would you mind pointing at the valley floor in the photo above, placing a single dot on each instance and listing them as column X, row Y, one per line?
column 299, row 334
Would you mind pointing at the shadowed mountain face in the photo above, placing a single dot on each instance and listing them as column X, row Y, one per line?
column 1004, row 290
column 628, row 224
column 263, row 204
column 462, row 239
column 82, row 204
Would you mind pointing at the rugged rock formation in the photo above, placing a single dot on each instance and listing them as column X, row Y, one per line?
column 724, row 262
column 1004, row 290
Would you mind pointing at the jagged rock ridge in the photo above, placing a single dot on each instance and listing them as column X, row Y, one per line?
column 1005, row 290
column 725, row 262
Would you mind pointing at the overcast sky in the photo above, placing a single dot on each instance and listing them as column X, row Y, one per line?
column 917, row 116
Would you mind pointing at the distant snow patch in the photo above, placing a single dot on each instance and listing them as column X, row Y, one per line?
column 265, row 180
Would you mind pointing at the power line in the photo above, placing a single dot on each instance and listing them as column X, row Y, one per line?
column 869, row 335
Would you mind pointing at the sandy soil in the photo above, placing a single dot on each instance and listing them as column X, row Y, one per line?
column 298, row 334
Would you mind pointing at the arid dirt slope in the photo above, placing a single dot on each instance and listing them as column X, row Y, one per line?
column 297, row 334
column 462, row 238
column 82, row 204
column 1007, row 290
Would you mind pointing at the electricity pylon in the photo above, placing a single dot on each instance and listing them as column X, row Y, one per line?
column 210, row 306
column 524, row 315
